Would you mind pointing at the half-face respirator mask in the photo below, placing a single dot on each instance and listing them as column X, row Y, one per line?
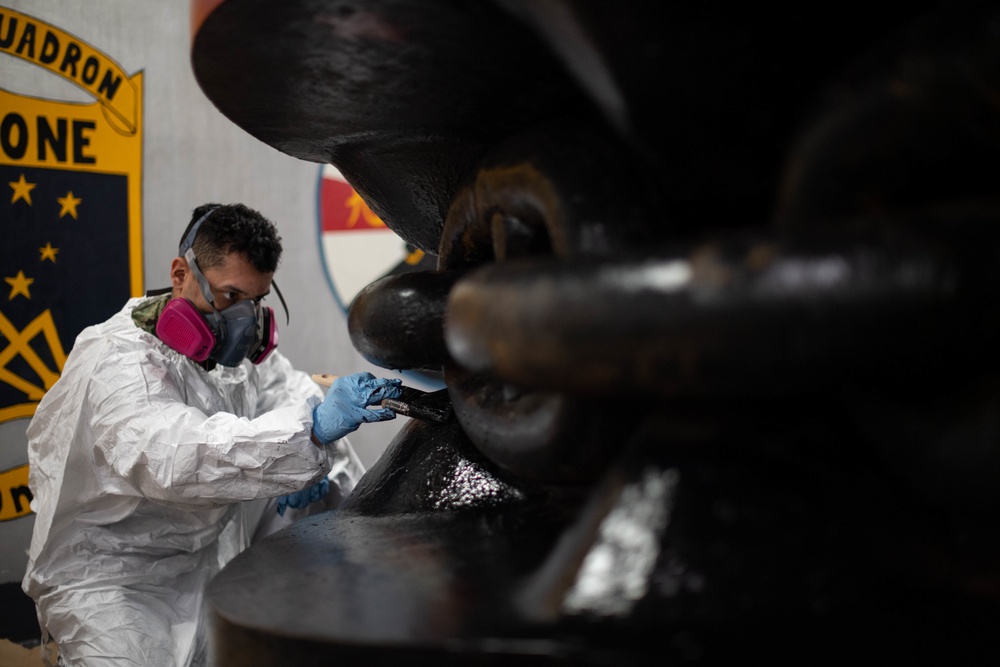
column 243, row 330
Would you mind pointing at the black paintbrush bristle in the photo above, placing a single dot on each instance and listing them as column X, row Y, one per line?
column 434, row 406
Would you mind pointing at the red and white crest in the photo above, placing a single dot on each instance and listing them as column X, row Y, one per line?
column 356, row 246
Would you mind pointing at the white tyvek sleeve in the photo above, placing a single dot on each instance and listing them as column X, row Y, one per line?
column 281, row 384
column 167, row 434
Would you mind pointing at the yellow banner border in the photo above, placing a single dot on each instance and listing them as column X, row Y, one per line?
column 61, row 52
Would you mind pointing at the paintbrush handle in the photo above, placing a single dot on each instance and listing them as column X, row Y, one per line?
column 396, row 406
column 324, row 379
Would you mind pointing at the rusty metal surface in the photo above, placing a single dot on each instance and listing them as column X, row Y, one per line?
column 714, row 305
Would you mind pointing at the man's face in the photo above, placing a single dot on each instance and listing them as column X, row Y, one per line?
column 235, row 279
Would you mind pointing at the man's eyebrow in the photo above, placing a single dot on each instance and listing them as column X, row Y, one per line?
column 230, row 288
column 237, row 290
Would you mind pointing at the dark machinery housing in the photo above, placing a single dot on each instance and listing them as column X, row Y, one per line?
column 712, row 303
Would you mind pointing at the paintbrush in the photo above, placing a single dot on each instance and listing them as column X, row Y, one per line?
column 432, row 406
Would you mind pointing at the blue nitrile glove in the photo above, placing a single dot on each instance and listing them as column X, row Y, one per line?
column 300, row 499
column 343, row 410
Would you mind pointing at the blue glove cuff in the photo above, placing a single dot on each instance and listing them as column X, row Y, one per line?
column 301, row 499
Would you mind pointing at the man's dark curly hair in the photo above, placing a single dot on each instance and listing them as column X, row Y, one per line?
column 235, row 228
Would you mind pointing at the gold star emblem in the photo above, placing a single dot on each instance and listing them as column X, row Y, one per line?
column 69, row 203
column 19, row 285
column 48, row 253
column 22, row 190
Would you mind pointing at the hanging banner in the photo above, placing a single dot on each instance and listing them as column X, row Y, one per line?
column 70, row 220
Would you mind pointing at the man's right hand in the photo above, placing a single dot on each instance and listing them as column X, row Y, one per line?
column 345, row 407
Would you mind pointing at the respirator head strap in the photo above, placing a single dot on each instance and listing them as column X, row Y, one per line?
column 206, row 289
column 188, row 241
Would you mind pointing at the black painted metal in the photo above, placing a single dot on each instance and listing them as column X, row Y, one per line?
column 398, row 320
column 715, row 306
column 402, row 95
column 731, row 318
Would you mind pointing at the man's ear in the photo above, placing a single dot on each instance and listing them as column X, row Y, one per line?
column 178, row 272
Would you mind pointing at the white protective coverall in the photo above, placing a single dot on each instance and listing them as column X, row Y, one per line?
column 139, row 459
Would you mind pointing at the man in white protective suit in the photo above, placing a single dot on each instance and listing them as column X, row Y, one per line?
column 167, row 418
